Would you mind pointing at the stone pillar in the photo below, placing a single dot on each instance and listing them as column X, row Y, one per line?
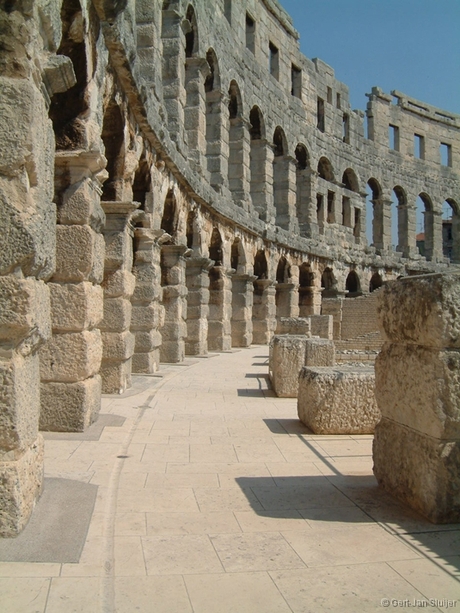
column 309, row 301
column 147, row 311
column 220, row 309
column 406, row 230
column 70, row 363
column 417, row 443
column 242, row 303
column 287, row 302
column 217, row 163
column 284, row 189
column 333, row 306
column 196, row 70
column 263, row 311
column 238, row 162
column 174, row 329
column 117, row 339
column 306, row 202
column 261, row 154
column 197, row 281
column 381, row 223
column 433, row 235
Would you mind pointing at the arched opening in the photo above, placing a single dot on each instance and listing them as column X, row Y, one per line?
column 257, row 157
column 398, row 222
column 282, row 271
column 325, row 170
column 280, row 178
column 191, row 36
column 451, row 230
column 424, row 225
column 215, row 248
column 352, row 284
column 374, row 221
column 306, row 293
column 302, row 191
column 260, row 265
column 170, row 217
column 213, row 120
column 236, row 140
column 375, row 282
column 235, row 254
column 66, row 107
column 350, row 180
column 190, row 229
column 142, row 183
column 328, row 283
column 113, row 139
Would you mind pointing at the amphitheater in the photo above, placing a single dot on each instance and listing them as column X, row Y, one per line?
column 176, row 178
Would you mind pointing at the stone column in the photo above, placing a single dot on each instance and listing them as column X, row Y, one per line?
column 263, row 311
column 287, row 301
column 196, row 70
column 117, row 339
column 174, row 329
column 406, row 230
column 238, row 162
column 220, row 309
column 217, row 163
column 309, row 301
column 147, row 311
column 197, row 281
column 417, row 443
column 242, row 303
column 306, row 202
column 332, row 305
column 261, row 154
column 284, row 189
column 381, row 224
column 70, row 363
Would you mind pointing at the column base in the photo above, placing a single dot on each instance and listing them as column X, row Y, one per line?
column 421, row 471
column 21, row 484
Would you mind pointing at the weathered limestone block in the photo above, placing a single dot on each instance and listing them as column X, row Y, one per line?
column 319, row 352
column 421, row 470
column 286, row 359
column 21, row 478
column 242, row 304
column 338, row 400
column 70, row 407
column 118, row 283
column 24, row 312
column 71, row 357
column 322, row 326
column 417, row 443
column 147, row 317
column 263, row 311
column 116, row 376
column 79, row 254
column 294, row 325
column 422, row 310
column 81, row 206
column 117, row 345
column 174, row 329
column 197, row 281
column 117, row 315
column 19, row 402
column 75, row 306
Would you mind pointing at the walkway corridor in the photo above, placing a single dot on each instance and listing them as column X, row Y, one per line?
column 199, row 491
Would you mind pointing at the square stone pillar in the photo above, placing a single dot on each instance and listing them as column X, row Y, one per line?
column 242, row 303
column 284, row 190
column 220, row 309
column 287, row 300
column 196, row 71
column 70, row 362
column 417, row 442
column 263, row 311
column 117, row 339
column 174, row 329
column 217, row 163
column 197, row 281
column 239, row 162
column 261, row 185
column 147, row 311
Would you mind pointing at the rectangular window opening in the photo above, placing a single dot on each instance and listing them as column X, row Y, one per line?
column 330, row 207
column 228, row 10
column 274, row 60
column 346, row 128
column 296, row 81
column 419, row 146
column 346, row 212
column 320, row 208
column 338, row 101
column 320, row 115
column 329, row 95
column 357, row 225
column 393, row 137
column 445, row 153
column 250, row 33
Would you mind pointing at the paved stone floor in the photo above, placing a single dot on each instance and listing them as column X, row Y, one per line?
column 213, row 498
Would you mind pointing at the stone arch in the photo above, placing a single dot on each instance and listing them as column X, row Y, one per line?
column 261, row 265
column 191, row 36
column 375, row 282
column 67, row 107
column 214, row 122
column 237, row 138
column 238, row 256
column 257, row 165
column 142, row 183
column 306, row 290
column 212, row 81
column 424, row 228
column 170, row 218
column 399, row 221
column 325, row 169
column 216, row 252
column 328, row 282
column 350, row 180
column 283, row 271
column 235, row 103
column 375, row 223
column 280, row 177
column 353, row 284
column 113, row 138
column 280, row 146
column 451, row 230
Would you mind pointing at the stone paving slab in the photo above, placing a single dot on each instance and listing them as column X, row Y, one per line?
column 212, row 497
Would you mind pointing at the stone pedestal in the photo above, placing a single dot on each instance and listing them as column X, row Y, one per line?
column 335, row 400
column 286, row 358
column 118, row 341
column 174, row 329
column 147, row 310
column 417, row 442
column 319, row 352
column 220, row 309
column 263, row 311
column 197, row 280
column 242, row 303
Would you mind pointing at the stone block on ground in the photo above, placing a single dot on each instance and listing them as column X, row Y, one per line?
column 322, row 326
column 286, row 359
column 319, row 352
column 70, row 407
column 293, row 325
column 22, row 482
column 335, row 400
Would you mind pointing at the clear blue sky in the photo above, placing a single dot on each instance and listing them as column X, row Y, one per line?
column 409, row 45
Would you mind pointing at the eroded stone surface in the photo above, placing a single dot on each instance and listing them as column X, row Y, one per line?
column 287, row 358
